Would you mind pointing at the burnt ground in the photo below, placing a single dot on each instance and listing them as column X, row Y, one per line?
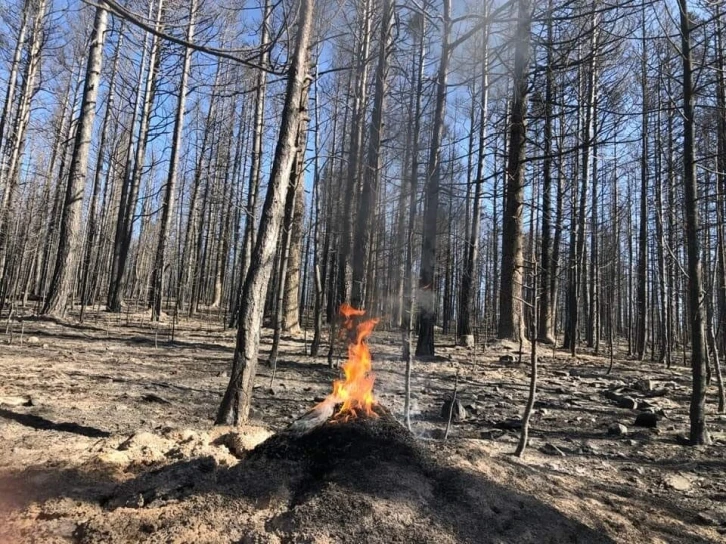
column 106, row 436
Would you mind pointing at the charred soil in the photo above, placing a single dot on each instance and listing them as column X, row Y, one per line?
column 107, row 437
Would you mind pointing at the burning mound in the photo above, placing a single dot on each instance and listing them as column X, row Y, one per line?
column 362, row 480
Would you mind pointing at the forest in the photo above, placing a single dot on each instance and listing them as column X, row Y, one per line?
column 362, row 271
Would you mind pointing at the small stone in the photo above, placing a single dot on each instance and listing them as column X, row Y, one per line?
column 16, row 401
column 617, row 429
column 435, row 434
column 33, row 340
column 222, row 375
column 467, row 341
column 704, row 518
column 644, row 385
column 458, row 413
column 678, row 482
column 509, row 424
column 646, row 419
column 551, row 449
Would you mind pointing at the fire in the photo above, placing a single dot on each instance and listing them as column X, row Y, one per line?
column 355, row 391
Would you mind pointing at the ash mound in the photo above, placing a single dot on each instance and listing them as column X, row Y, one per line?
column 364, row 480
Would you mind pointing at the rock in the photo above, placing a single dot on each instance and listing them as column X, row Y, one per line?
column 506, row 359
column 492, row 434
column 644, row 385
column 646, row 419
column 458, row 413
column 467, row 341
column 621, row 400
column 551, row 449
column 16, row 401
column 704, row 518
column 32, row 340
column 509, row 424
column 617, row 429
column 678, row 482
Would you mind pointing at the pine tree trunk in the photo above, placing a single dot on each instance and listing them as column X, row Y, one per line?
column 371, row 169
column 545, row 302
column 93, row 211
column 128, row 205
column 237, row 400
column 471, row 249
column 18, row 131
column 510, row 296
column 698, row 431
column 167, row 210
column 256, row 166
column 70, row 233
column 352, row 181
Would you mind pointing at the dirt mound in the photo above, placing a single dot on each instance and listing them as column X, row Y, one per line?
column 366, row 480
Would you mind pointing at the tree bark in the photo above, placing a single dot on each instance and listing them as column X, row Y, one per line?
column 70, row 232
column 510, row 296
column 427, row 296
column 237, row 400
column 698, row 430
column 167, row 210
column 471, row 249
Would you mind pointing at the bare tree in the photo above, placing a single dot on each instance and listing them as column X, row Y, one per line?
column 70, row 245
column 237, row 399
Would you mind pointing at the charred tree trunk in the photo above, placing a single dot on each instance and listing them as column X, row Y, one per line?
column 471, row 249
column 70, row 232
column 237, row 399
column 167, row 210
column 427, row 296
column 371, row 169
column 510, row 296
column 698, row 431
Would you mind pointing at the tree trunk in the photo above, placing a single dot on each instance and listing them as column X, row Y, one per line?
column 510, row 296
column 371, row 169
column 128, row 206
column 167, row 210
column 256, row 165
column 70, row 232
column 427, row 296
column 698, row 431
column 545, row 302
column 237, row 400
column 471, row 249
column 17, row 134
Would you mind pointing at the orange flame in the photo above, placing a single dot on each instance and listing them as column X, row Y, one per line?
column 355, row 392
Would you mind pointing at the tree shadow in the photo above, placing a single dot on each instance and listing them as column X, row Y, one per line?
column 41, row 423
